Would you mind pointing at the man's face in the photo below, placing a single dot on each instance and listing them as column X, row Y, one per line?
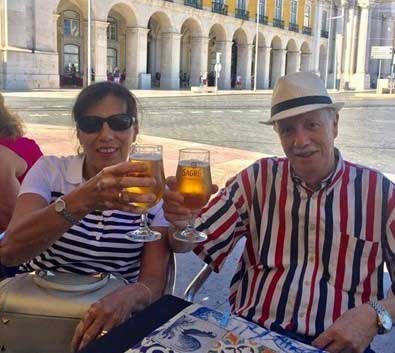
column 308, row 142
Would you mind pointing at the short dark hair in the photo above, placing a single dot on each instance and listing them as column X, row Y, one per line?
column 90, row 95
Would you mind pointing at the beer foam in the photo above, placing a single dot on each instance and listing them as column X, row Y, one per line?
column 146, row 156
column 194, row 163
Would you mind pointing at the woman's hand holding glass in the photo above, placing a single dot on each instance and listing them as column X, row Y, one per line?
column 106, row 190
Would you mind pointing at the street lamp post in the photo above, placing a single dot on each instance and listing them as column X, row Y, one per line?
column 256, row 42
column 89, row 45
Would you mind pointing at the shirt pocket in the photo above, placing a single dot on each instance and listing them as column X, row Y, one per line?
column 353, row 263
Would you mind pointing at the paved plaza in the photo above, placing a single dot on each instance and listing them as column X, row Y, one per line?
column 231, row 127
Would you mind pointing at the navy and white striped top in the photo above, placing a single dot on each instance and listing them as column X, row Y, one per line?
column 97, row 243
column 309, row 256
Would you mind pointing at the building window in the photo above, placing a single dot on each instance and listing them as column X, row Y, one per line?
column 112, row 29
column 324, row 22
column 241, row 4
column 71, row 23
column 71, row 56
column 294, row 11
column 278, row 10
column 112, row 59
column 262, row 7
column 306, row 20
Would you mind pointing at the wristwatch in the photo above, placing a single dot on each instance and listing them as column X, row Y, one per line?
column 384, row 320
column 60, row 207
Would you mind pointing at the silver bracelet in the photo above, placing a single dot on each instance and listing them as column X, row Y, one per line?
column 148, row 290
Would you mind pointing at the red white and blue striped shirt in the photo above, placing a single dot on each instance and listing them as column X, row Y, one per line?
column 309, row 256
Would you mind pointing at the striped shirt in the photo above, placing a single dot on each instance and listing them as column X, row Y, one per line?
column 97, row 243
column 309, row 256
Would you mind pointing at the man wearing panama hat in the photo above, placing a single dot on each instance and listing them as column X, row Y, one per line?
column 318, row 230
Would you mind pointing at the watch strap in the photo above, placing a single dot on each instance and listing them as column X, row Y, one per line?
column 379, row 309
column 66, row 214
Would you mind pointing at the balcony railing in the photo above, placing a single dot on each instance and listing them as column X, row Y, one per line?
column 242, row 14
column 194, row 3
column 324, row 34
column 306, row 30
column 219, row 7
column 263, row 19
column 278, row 23
column 293, row 27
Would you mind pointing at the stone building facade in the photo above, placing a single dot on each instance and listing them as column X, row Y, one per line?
column 158, row 43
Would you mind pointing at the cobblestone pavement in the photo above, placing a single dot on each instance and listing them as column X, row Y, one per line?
column 366, row 136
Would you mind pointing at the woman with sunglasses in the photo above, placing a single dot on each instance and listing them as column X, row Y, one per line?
column 72, row 212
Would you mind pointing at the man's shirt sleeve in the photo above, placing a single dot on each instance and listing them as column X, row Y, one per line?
column 225, row 221
column 389, row 242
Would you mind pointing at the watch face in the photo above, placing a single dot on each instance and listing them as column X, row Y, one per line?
column 60, row 205
column 385, row 321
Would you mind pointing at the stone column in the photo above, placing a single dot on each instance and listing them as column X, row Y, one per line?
column 348, row 45
column 317, row 36
column 298, row 61
column 170, row 61
column 225, row 47
column 136, row 55
column 260, row 70
column 387, row 40
column 278, row 69
column 266, row 70
column 99, row 49
column 245, row 57
column 199, row 53
column 361, row 79
column 292, row 62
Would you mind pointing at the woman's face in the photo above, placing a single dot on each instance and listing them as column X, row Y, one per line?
column 106, row 147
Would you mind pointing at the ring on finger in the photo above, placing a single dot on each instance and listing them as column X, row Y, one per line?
column 102, row 333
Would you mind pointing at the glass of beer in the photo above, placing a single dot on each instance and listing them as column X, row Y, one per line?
column 194, row 184
column 151, row 157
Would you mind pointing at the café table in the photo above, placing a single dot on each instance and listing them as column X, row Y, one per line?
column 172, row 322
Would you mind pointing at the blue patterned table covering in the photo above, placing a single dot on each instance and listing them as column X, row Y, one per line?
column 238, row 326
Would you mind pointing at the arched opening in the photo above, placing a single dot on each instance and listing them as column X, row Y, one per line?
column 260, row 70
column 70, row 44
column 190, row 53
column 216, row 44
column 240, row 72
column 122, row 44
column 163, row 51
column 305, row 57
column 277, row 62
column 291, row 63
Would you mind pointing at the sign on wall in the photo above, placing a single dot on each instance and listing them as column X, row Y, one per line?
column 382, row 52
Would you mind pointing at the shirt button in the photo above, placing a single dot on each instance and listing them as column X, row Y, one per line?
column 312, row 226
column 312, row 258
column 301, row 315
column 100, row 224
column 307, row 283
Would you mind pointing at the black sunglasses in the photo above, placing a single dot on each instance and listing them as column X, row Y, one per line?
column 118, row 122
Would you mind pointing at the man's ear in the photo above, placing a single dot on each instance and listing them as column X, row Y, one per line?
column 335, row 125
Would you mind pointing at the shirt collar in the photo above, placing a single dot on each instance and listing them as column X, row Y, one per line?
column 329, row 181
column 74, row 170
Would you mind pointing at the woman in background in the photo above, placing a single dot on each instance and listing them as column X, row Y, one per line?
column 17, row 156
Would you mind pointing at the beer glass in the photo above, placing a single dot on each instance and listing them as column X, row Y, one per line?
column 194, row 184
column 151, row 157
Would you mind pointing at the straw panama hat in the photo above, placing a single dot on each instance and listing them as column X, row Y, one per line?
column 299, row 93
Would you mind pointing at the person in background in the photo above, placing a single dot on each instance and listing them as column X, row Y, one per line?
column 17, row 156
column 318, row 230
column 72, row 213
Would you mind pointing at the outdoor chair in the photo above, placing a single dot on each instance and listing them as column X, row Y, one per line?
column 197, row 283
